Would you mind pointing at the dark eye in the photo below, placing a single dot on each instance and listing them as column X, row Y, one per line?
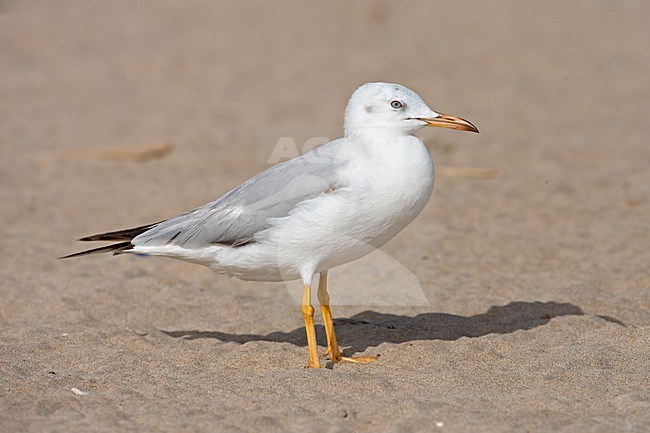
column 396, row 104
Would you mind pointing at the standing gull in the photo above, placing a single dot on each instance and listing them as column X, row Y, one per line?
column 308, row 215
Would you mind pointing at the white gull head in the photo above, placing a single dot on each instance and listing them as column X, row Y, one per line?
column 393, row 109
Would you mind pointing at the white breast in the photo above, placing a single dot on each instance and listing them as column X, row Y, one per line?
column 400, row 182
column 388, row 187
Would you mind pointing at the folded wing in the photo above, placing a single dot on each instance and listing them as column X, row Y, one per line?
column 235, row 218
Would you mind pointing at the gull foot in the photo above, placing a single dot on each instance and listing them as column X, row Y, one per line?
column 337, row 357
column 313, row 364
column 358, row 359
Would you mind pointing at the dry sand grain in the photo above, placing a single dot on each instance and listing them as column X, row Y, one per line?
column 537, row 279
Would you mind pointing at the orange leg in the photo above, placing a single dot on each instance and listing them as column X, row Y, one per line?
column 324, row 300
column 333, row 350
column 308, row 315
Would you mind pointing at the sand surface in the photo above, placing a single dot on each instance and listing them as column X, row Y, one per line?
column 536, row 282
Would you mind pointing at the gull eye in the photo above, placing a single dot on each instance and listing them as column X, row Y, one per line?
column 396, row 105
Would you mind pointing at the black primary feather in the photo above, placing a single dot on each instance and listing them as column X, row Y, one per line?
column 114, row 248
column 126, row 235
column 119, row 235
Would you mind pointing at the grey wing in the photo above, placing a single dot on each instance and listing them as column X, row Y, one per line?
column 235, row 218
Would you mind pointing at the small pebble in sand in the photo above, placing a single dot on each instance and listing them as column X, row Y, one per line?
column 78, row 391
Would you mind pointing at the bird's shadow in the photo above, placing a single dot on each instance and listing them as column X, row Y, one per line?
column 370, row 328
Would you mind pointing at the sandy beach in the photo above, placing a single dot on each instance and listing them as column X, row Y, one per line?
column 519, row 300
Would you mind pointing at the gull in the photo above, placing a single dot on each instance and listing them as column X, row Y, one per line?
column 330, row 206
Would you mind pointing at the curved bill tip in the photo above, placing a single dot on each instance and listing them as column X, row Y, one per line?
column 449, row 122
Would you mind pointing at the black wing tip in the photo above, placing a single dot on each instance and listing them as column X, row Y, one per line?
column 119, row 235
column 114, row 248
